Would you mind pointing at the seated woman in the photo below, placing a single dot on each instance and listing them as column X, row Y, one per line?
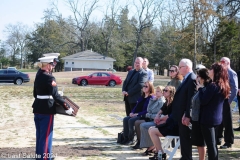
column 145, row 141
column 196, row 135
column 176, row 78
column 139, row 110
column 165, row 125
column 153, row 108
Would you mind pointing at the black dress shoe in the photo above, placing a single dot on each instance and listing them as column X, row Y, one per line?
column 237, row 129
column 226, row 145
column 148, row 152
column 126, row 140
column 155, row 157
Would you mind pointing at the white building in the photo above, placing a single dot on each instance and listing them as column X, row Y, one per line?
column 87, row 60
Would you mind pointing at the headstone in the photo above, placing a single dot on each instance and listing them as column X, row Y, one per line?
column 165, row 72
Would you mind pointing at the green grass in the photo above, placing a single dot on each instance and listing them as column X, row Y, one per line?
column 28, row 70
column 83, row 121
column 103, row 131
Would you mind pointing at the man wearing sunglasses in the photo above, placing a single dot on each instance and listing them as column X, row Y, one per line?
column 227, row 111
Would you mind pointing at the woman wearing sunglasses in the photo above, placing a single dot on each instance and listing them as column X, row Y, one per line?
column 139, row 110
column 165, row 125
column 153, row 108
column 176, row 78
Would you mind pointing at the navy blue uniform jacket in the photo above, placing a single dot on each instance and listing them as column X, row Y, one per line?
column 45, row 84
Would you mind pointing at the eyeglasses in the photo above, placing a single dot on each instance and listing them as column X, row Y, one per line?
column 181, row 67
column 171, row 71
column 52, row 64
column 165, row 90
column 145, row 86
column 222, row 62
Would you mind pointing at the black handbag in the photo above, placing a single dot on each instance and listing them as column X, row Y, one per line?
column 120, row 137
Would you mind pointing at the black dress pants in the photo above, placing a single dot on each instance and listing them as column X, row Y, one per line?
column 210, row 140
column 185, row 142
column 128, row 106
column 227, row 124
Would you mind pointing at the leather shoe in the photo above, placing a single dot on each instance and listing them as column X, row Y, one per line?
column 126, row 140
column 237, row 129
column 226, row 145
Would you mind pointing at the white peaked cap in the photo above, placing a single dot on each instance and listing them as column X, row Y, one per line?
column 199, row 66
column 51, row 54
column 47, row 59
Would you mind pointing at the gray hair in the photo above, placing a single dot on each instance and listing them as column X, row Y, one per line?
column 226, row 59
column 140, row 58
column 187, row 62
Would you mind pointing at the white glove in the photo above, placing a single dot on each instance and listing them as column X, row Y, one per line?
column 60, row 92
column 69, row 111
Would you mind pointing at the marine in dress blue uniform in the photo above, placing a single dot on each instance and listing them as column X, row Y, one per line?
column 45, row 93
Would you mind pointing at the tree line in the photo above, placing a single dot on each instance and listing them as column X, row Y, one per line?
column 164, row 31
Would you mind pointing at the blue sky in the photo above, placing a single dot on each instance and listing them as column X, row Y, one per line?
column 28, row 12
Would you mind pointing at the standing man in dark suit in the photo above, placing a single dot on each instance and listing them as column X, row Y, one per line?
column 227, row 111
column 238, row 98
column 133, row 85
column 181, row 107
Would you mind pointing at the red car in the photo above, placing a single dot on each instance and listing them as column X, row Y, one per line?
column 98, row 78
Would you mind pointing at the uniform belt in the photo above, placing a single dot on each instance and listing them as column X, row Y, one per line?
column 44, row 97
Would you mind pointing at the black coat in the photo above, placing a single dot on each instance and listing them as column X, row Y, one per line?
column 133, row 85
column 45, row 84
column 182, row 99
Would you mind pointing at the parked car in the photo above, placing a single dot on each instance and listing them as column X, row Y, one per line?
column 13, row 76
column 98, row 78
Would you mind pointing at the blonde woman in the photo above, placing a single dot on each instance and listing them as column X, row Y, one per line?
column 45, row 92
column 154, row 106
column 169, row 127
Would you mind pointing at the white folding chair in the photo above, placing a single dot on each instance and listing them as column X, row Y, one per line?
column 167, row 145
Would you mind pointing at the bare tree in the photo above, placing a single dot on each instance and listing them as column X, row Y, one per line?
column 109, row 22
column 146, row 14
column 80, row 19
column 17, row 41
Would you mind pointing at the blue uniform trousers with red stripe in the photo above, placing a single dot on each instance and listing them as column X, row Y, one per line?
column 44, row 134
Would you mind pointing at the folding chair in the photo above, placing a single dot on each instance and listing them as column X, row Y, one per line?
column 167, row 145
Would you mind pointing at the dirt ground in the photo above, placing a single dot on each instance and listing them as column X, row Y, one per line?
column 88, row 136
